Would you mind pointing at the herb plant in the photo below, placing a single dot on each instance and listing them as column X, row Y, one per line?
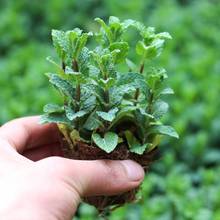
column 110, row 103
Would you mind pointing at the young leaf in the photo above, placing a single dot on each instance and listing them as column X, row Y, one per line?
column 123, row 50
column 92, row 122
column 63, row 85
column 160, row 108
column 60, row 43
column 108, row 116
column 54, row 118
column 134, row 145
column 164, row 130
column 108, row 143
column 105, row 29
column 71, row 114
column 167, row 91
column 53, row 108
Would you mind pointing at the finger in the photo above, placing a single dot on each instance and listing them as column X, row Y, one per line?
column 42, row 152
column 99, row 177
column 26, row 133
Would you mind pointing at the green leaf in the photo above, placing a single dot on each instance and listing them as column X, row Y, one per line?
column 164, row 130
column 108, row 116
column 83, row 61
column 132, row 66
column 160, row 108
column 108, row 143
column 105, row 29
column 146, row 51
column 81, row 42
column 53, row 108
column 126, row 113
column 123, row 48
column 57, row 66
column 116, row 94
column 60, row 43
column 92, row 122
column 134, row 145
column 129, row 81
column 106, row 84
column 114, row 20
column 127, row 23
column 54, row 118
column 167, row 91
column 63, row 85
column 71, row 114
column 164, row 35
column 88, row 103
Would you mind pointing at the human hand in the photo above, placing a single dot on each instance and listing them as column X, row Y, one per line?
column 37, row 183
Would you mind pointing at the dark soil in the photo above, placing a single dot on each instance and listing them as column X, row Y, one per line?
column 83, row 151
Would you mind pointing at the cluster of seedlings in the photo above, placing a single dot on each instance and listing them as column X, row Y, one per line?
column 112, row 106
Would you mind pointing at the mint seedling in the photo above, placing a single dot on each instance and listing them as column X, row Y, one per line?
column 108, row 113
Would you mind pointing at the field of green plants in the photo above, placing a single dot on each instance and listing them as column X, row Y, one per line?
column 184, row 184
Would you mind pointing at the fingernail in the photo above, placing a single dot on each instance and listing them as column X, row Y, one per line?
column 134, row 171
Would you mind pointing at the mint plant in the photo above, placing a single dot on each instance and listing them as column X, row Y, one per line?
column 108, row 113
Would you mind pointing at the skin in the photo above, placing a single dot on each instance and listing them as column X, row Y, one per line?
column 36, row 182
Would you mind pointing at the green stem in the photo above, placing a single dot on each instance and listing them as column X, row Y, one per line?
column 75, row 67
column 63, row 68
column 151, row 99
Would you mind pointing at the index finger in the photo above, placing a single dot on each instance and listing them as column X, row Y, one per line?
column 25, row 133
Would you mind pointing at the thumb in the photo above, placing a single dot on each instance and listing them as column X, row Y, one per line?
column 98, row 177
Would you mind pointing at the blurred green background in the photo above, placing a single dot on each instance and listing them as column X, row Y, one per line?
column 185, row 183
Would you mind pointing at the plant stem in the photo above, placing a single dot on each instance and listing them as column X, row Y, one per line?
column 142, row 68
column 75, row 67
column 63, row 66
column 151, row 98
column 137, row 92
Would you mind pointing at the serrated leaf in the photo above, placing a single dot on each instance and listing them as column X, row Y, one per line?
column 128, row 80
column 58, row 67
column 114, row 20
column 108, row 143
column 83, row 61
column 60, row 43
column 146, row 51
column 53, row 108
column 107, row 83
column 54, row 118
column 108, row 116
column 63, row 85
column 125, row 113
column 71, row 114
column 116, row 94
column 127, row 23
column 164, row 130
column 88, row 104
column 92, row 122
column 81, row 42
column 167, row 91
column 164, row 35
column 160, row 108
column 123, row 48
column 69, row 71
column 134, row 145
column 105, row 28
